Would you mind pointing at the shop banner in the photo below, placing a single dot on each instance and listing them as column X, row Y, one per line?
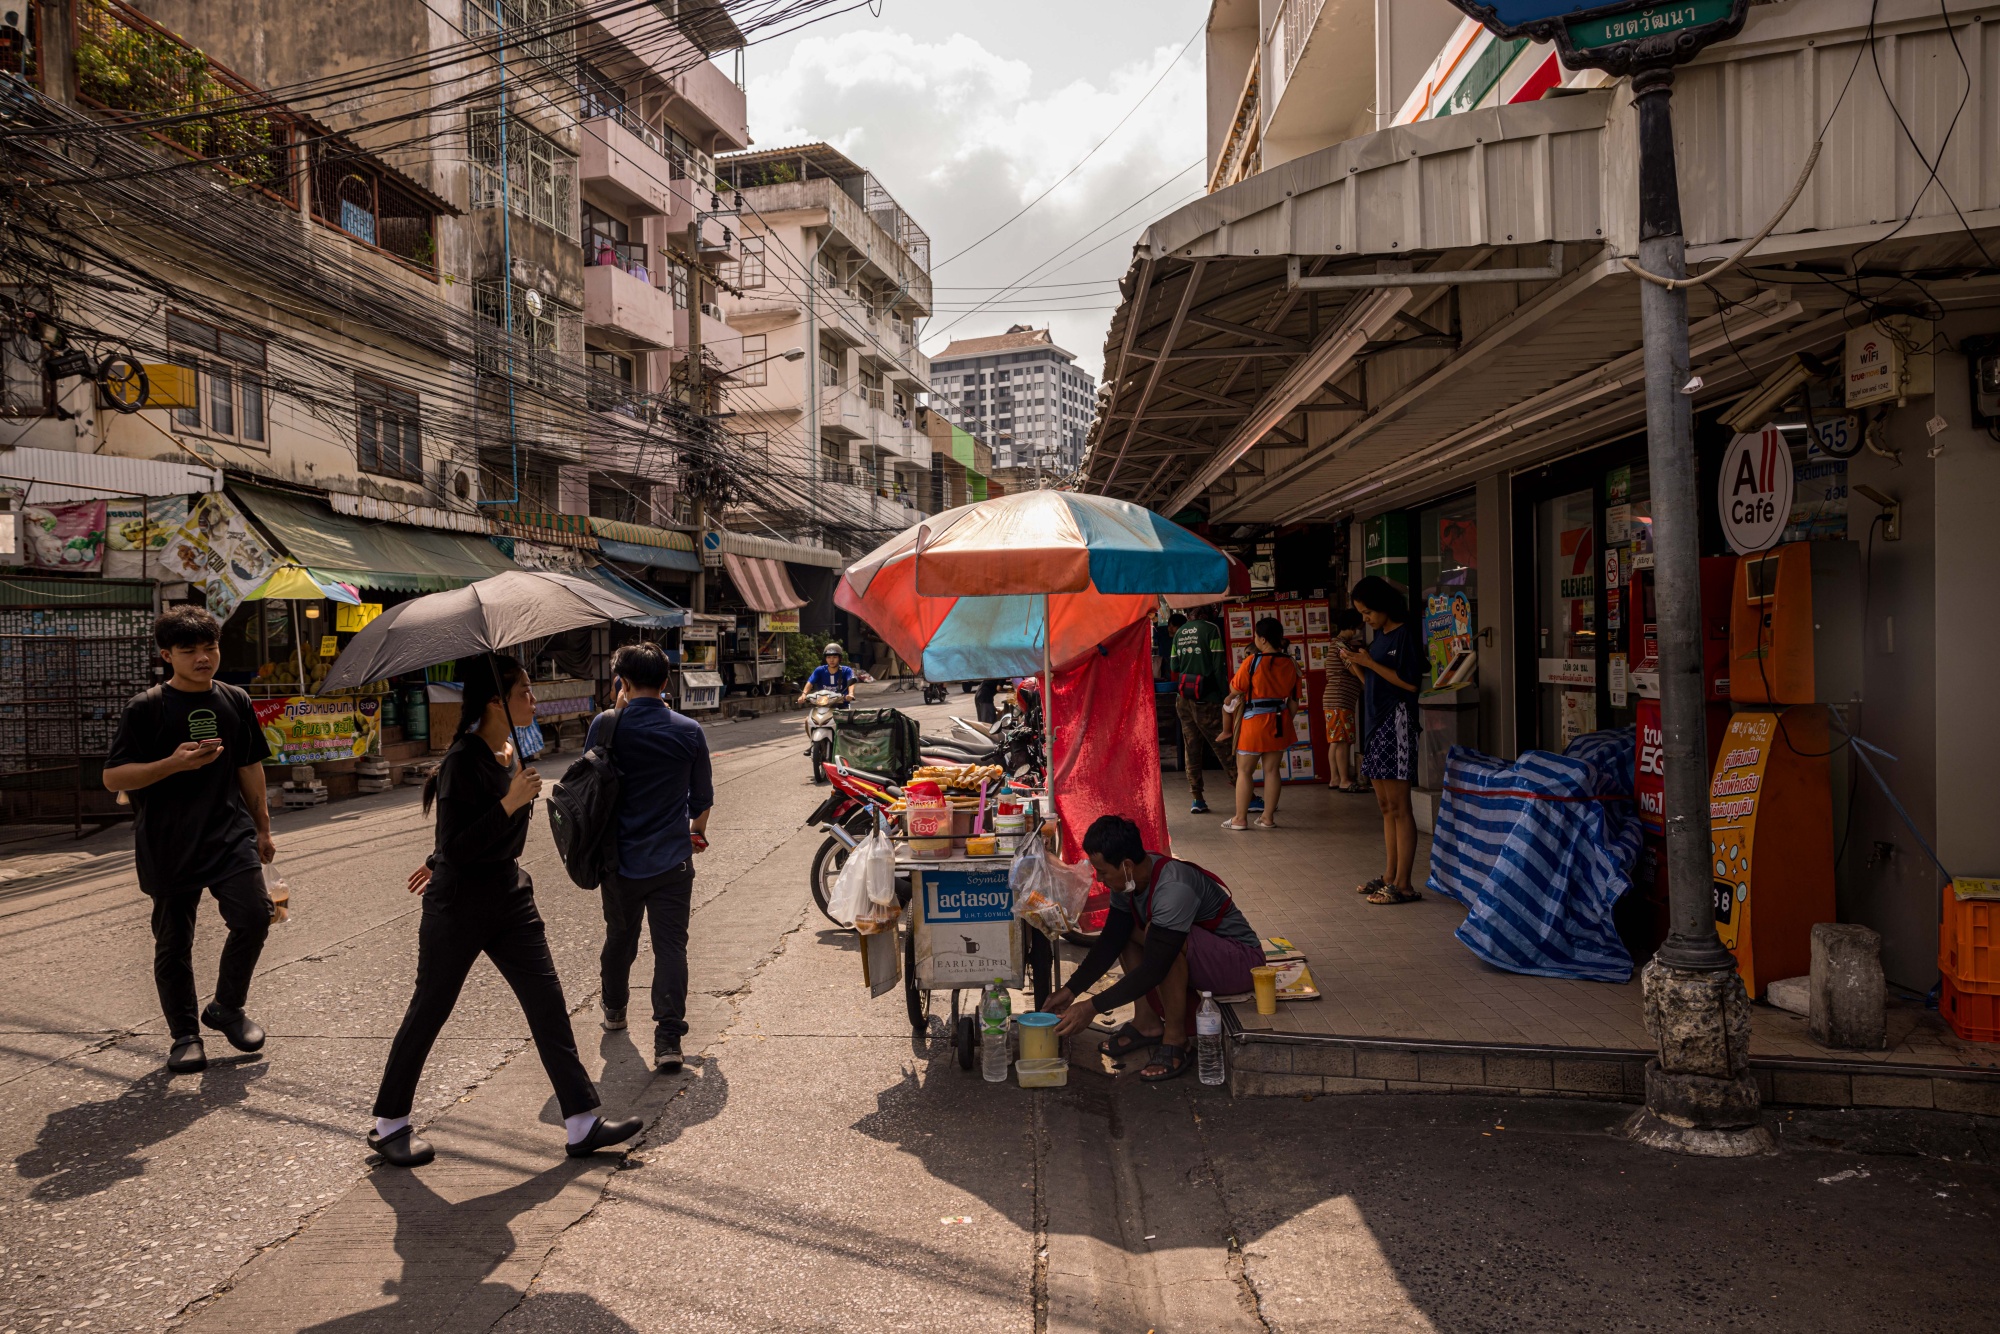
column 217, row 549
column 64, row 537
column 143, row 525
column 307, row 729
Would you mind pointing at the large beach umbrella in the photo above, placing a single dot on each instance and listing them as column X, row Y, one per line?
column 482, row 617
column 1014, row 585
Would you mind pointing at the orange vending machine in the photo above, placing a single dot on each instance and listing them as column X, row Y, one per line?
column 1794, row 650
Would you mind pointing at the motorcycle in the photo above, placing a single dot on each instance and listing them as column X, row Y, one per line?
column 820, row 707
column 934, row 692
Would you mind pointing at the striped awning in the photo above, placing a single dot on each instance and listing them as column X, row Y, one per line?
column 641, row 535
column 764, row 584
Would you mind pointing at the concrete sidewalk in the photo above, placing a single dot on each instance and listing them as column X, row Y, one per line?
column 1407, row 1006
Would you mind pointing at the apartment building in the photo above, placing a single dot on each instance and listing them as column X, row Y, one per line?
column 1023, row 393
column 833, row 268
column 530, row 338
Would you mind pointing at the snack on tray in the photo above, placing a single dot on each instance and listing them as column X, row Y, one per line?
column 968, row 776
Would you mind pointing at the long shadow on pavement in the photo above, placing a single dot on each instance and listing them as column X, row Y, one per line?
column 92, row 1146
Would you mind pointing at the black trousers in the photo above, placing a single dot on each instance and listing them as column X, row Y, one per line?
column 664, row 900
column 982, row 701
column 246, row 910
column 506, row 927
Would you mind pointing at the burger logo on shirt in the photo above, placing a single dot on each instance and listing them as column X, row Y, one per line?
column 202, row 725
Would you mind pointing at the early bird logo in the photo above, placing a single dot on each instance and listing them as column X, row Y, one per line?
column 971, row 945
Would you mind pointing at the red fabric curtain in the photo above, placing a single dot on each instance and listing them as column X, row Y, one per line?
column 1107, row 745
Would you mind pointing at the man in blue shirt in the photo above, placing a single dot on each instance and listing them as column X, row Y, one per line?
column 665, row 790
column 830, row 675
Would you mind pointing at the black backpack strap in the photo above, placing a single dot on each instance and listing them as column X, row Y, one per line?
column 156, row 700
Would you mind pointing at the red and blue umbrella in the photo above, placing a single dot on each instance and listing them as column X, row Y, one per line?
column 1009, row 586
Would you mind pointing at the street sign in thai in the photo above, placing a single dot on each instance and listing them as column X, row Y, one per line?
column 1615, row 37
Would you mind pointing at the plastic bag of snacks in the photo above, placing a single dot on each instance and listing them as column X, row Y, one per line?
column 1048, row 895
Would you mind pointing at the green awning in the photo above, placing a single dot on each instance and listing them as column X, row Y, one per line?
column 390, row 556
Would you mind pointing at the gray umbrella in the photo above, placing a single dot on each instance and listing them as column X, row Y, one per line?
column 482, row 617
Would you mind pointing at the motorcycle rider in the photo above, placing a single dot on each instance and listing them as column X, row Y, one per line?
column 831, row 675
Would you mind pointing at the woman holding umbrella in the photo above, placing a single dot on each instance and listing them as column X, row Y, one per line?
column 478, row 900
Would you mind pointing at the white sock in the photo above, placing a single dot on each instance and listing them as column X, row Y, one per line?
column 386, row 1126
column 579, row 1125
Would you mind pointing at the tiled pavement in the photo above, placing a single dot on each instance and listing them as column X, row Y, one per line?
column 1395, row 973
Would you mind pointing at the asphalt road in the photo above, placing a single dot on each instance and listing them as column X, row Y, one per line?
column 819, row 1167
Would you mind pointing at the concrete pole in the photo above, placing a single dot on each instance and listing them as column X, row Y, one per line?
column 1700, row 1096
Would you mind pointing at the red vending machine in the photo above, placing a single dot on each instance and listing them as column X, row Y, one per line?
column 1718, row 591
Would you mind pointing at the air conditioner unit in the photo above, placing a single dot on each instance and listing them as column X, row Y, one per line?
column 711, row 311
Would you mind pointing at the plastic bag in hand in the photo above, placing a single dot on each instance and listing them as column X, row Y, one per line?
column 279, row 893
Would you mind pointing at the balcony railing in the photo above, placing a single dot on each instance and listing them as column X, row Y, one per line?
column 129, row 65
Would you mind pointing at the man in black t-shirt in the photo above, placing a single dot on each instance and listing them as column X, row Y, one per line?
column 191, row 755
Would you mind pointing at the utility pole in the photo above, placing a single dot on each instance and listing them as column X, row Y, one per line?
column 1700, row 1096
column 698, row 591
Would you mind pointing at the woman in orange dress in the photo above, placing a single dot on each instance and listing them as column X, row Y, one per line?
column 1260, row 695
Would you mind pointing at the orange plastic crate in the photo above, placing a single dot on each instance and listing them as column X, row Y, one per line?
column 1969, row 943
column 1972, row 1016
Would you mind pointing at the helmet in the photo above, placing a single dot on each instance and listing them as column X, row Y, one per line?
column 833, row 649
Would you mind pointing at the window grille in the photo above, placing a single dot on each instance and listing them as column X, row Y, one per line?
column 542, row 29
column 541, row 177
column 547, row 342
column 755, row 349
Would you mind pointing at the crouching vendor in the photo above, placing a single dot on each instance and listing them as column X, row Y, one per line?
column 1176, row 933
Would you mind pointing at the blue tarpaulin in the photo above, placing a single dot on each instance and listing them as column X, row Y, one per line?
column 1539, row 851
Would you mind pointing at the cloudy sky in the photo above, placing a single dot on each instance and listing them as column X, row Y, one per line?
column 968, row 109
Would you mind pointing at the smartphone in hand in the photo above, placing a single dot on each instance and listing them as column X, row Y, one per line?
column 699, row 840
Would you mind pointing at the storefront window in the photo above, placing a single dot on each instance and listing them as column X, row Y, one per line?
column 1448, row 582
column 1566, row 618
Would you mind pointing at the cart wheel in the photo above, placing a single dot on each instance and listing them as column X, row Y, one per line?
column 916, row 1001
column 965, row 1037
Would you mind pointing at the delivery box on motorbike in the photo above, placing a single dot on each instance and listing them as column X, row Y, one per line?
column 877, row 741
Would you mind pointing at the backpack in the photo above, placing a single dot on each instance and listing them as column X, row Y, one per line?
column 583, row 813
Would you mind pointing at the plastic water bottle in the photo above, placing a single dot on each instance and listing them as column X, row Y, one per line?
column 995, row 1008
column 1208, row 1042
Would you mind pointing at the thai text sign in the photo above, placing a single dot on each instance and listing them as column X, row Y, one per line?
column 307, row 729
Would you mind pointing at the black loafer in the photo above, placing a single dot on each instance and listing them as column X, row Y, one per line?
column 241, row 1030
column 667, row 1055
column 188, row 1057
column 402, row 1149
column 604, row 1134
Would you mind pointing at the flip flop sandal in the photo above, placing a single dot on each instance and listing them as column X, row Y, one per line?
column 1377, row 883
column 1235, row 828
column 1262, row 824
column 1125, row 1040
column 1395, row 894
column 1172, row 1061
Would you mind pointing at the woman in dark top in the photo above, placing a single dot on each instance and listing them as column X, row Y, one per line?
column 1389, row 672
column 478, row 900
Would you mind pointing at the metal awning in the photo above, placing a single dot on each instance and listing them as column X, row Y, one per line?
column 394, row 557
column 657, row 558
column 774, row 548
column 661, row 614
column 1241, row 382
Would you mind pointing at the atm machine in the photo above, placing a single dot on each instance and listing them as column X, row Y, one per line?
column 1794, row 655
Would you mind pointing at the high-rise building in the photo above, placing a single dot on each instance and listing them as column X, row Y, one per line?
column 1020, row 392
